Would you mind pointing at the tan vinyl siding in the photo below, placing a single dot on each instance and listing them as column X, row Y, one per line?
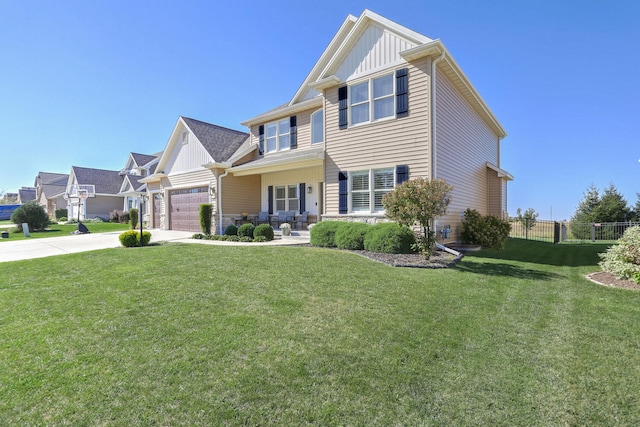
column 191, row 179
column 494, row 196
column 310, row 176
column 303, row 123
column 386, row 143
column 240, row 194
column 464, row 145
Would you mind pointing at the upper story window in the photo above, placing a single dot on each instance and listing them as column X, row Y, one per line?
column 317, row 127
column 380, row 105
column 374, row 99
column 278, row 136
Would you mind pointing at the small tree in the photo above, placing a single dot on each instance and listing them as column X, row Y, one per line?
column 528, row 219
column 133, row 218
column 205, row 212
column 33, row 214
column 419, row 201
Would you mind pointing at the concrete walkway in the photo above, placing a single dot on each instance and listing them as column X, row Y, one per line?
column 51, row 246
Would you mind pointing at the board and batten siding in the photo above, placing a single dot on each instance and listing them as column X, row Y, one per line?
column 187, row 157
column 385, row 143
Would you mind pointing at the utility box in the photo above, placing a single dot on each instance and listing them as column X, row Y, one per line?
column 5, row 234
column 25, row 229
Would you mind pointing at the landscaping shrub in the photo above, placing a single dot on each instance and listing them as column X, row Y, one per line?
column 487, row 231
column 391, row 238
column 246, row 230
column 63, row 219
column 350, row 235
column 233, row 238
column 115, row 216
column 61, row 213
column 33, row 214
column 246, row 239
column 198, row 236
column 131, row 238
column 263, row 231
column 205, row 211
column 623, row 258
column 231, row 230
column 323, row 234
column 133, row 218
column 260, row 239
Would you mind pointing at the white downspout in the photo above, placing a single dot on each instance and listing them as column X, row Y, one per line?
column 434, row 169
column 219, row 196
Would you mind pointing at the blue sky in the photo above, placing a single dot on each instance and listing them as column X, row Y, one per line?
column 85, row 83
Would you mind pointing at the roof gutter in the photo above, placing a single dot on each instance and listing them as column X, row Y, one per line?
column 434, row 168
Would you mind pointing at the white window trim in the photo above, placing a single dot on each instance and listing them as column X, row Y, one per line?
column 276, row 123
column 319, row 111
column 371, row 101
column 286, row 198
column 372, row 190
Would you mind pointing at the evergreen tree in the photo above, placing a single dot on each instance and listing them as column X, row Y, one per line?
column 612, row 207
column 586, row 210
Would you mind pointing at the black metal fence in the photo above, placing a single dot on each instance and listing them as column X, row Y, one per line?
column 559, row 232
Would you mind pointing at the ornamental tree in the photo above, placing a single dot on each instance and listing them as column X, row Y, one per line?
column 419, row 201
column 528, row 219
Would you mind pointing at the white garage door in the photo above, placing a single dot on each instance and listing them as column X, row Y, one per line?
column 184, row 206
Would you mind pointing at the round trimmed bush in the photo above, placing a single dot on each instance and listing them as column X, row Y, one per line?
column 246, row 230
column 390, row 238
column 350, row 235
column 323, row 234
column 33, row 214
column 131, row 238
column 264, row 230
column 231, row 230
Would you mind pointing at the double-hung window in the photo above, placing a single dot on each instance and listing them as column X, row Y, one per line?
column 372, row 100
column 286, row 198
column 277, row 135
column 369, row 187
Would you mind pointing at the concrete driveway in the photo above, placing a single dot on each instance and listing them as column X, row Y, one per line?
column 50, row 246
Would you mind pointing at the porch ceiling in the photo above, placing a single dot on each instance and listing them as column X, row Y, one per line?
column 294, row 159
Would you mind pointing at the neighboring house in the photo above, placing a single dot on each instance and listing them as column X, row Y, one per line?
column 137, row 167
column 26, row 194
column 382, row 105
column 190, row 171
column 50, row 188
column 106, row 185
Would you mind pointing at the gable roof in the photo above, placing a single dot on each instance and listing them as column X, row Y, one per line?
column 105, row 181
column 52, row 178
column 142, row 159
column 331, row 70
column 27, row 194
column 220, row 142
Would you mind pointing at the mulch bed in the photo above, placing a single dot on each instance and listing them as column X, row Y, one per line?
column 439, row 259
column 607, row 279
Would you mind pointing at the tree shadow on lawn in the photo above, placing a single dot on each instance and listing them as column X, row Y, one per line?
column 561, row 255
column 505, row 270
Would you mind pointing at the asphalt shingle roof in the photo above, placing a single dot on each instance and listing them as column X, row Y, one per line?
column 142, row 159
column 105, row 181
column 220, row 142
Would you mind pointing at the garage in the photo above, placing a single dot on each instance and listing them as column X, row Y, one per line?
column 184, row 207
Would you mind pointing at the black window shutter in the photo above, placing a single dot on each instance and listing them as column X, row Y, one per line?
column 293, row 131
column 261, row 146
column 402, row 174
column 402, row 92
column 270, row 199
column 343, row 107
column 303, row 196
column 343, row 192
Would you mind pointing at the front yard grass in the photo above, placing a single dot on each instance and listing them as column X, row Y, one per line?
column 56, row 230
column 187, row 334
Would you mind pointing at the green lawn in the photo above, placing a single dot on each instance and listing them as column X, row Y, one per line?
column 56, row 230
column 209, row 335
